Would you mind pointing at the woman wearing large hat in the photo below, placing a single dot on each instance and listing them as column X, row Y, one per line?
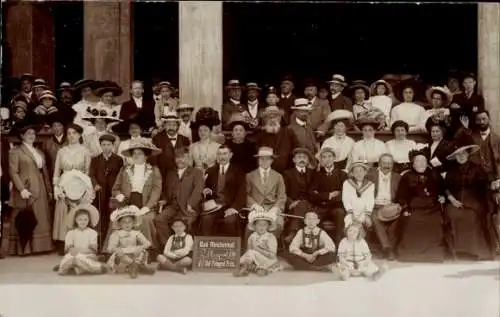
column 140, row 184
column 368, row 148
column 166, row 103
column 30, row 194
column 100, row 122
column 362, row 107
column 84, row 95
column 408, row 110
column 243, row 149
column 204, row 151
column 467, row 189
column 341, row 121
column 439, row 98
column 133, row 127
column 73, row 156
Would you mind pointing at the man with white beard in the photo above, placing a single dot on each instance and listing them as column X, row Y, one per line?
column 283, row 141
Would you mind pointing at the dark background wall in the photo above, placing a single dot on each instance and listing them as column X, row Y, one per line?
column 266, row 40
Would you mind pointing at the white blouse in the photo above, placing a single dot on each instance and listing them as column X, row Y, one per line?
column 185, row 130
column 368, row 150
column 400, row 149
column 138, row 177
column 359, row 205
column 85, row 241
column 410, row 113
column 38, row 158
column 384, row 103
column 342, row 146
column 354, row 251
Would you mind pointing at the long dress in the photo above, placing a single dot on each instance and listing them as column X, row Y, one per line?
column 71, row 157
column 266, row 241
column 421, row 233
column 469, row 184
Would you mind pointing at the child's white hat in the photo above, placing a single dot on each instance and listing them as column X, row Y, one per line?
column 127, row 211
column 253, row 216
column 90, row 209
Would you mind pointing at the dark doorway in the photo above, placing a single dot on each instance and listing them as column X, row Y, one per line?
column 362, row 41
column 156, row 41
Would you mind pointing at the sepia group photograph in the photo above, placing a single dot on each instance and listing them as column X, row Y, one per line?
column 249, row 158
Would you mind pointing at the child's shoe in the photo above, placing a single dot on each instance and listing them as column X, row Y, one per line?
column 261, row 272
column 104, row 269
column 56, row 268
column 147, row 269
column 133, row 270
column 382, row 269
column 244, row 271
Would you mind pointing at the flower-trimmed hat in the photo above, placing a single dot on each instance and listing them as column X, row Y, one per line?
column 108, row 86
column 90, row 209
column 143, row 144
column 75, row 184
column 272, row 110
column 463, row 144
column 375, row 84
column 92, row 114
column 265, row 151
column 443, row 91
column 367, row 121
column 338, row 79
column 254, row 216
column 126, row 211
column 83, row 83
column 360, row 84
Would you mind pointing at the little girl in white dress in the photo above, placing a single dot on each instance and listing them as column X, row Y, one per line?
column 261, row 255
column 81, row 243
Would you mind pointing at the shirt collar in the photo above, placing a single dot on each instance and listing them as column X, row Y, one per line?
column 182, row 235
column 136, row 99
column 314, row 230
column 224, row 168
column 329, row 170
column 254, row 103
column 286, row 96
column 335, row 96
column 485, row 133
column 262, row 171
column 237, row 102
column 312, row 100
column 300, row 169
column 300, row 122
column 382, row 175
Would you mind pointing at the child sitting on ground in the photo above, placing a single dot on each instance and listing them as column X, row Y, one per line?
column 261, row 255
column 126, row 244
column 355, row 258
column 311, row 248
column 358, row 195
column 80, row 243
column 178, row 250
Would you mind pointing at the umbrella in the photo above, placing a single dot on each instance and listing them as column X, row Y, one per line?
column 25, row 225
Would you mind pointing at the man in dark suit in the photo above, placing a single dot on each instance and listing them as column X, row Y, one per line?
column 168, row 140
column 386, row 184
column 325, row 192
column 287, row 98
column 253, row 107
column 338, row 100
column 224, row 184
column 104, row 169
column 182, row 194
column 297, row 183
column 233, row 104
column 471, row 103
column 137, row 104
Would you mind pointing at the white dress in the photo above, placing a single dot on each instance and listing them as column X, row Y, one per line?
column 85, row 261
column 268, row 242
column 409, row 112
column 367, row 150
column 342, row 146
column 400, row 149
column 355, row 258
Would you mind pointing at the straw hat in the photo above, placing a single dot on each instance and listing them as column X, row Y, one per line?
column 75, row 184
column 166, row 84
column 301, row 104
column 374, row 85
column 254, row 216
column 360, row 84
column 171, row 116
column 250, row 86
column 464, row 144
column 272, row 110
column 442, row 91
column 93, row 214
column 47, row 94
column 65, row 86
column 340, row 115
column 389, row 212
column 127, row 211
column 338, row 79
column 39, row 82
column 210, row 206
column 143, row 144
column 185, row 106
column 265, row 151
column 233, row 84
column 83, row 83
column 305, row 151
column 363, row 164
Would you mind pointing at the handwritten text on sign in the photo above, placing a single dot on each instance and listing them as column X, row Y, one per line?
column 216, row 253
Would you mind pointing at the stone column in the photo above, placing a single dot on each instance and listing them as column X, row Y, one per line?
column 200, row 53
column 29, row 35
column 489, row 58
column 108, row 43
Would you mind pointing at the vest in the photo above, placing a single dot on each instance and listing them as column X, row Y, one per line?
column 313, row 240
column 302, row 182
column 178, row 243
column 486, row 156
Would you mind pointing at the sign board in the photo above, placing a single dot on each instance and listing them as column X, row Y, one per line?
column 216, row 254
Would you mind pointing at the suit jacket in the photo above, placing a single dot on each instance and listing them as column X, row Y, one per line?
column 320, row 111
column 294, row 190
column 305, row 136
column 130, row 110
column 341, row 102
column 234, row 188
column 166, row 159
column 443, row 149
column 104, row 172
column 24, row 174
column 185, row 191
column 151, row 191
column 228, row 108
column 468, row 104
column 322, row 185
column 373, row 175
column 283, row 143
column 286, row 104
column 272, row 194
column 494, row 141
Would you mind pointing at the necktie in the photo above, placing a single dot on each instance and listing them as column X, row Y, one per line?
column 222, row 179
column 266, row 175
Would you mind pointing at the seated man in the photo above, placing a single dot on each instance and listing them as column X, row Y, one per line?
column 265, row 188
column 224, row 183
column 312, row 248
column 326, row 192
column 386, row 183
column 183, row 192
column 297, row 183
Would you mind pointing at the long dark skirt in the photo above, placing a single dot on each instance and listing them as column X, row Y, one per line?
column 468, row 226
column 421, row 233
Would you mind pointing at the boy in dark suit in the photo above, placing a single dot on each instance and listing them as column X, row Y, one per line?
column 104, row 169
column 183, row 192
column 224, row 183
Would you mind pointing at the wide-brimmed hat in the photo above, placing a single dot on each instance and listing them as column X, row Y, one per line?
column 19, row 98
column 254, row 86
column 254, row 216
column 92, row 211
column 360, row 84
column 92, row 114
column 27, row 76
column 412, row 83
column 389, row 212
column 170, row 116
column 433, row 121
column 167, row 84
column 265, row 151
column 327, row 149
column 301, row 104
column 340, row 115
column 375, row 84
column 126, row 211
column 305, row 151
column 108, row 86
column 29, row 122
column 210, row 206
column 75, row 184
column 83, row 83
column 338, row 79
column 367, row 121
column 39, row 82
column 185, row 106
column 143, row 144
column 57, row 116
column 443, row 91
column 141, row 119
column 463, row 144
column 363, row 164
column 47, row 94
column 233, row 84
column 65, row 86
column 239, row 118
column 272, row 110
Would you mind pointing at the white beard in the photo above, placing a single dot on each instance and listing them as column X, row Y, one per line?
column 272, row 128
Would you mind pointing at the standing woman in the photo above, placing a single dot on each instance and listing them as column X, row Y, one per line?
column 31, row 190
column 73, row 156
column 420, row 194
column 400, row 146
column 341, row 121
column 204, row 152
column 467, row 189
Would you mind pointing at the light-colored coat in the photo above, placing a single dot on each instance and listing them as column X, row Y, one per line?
column 272, row 194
